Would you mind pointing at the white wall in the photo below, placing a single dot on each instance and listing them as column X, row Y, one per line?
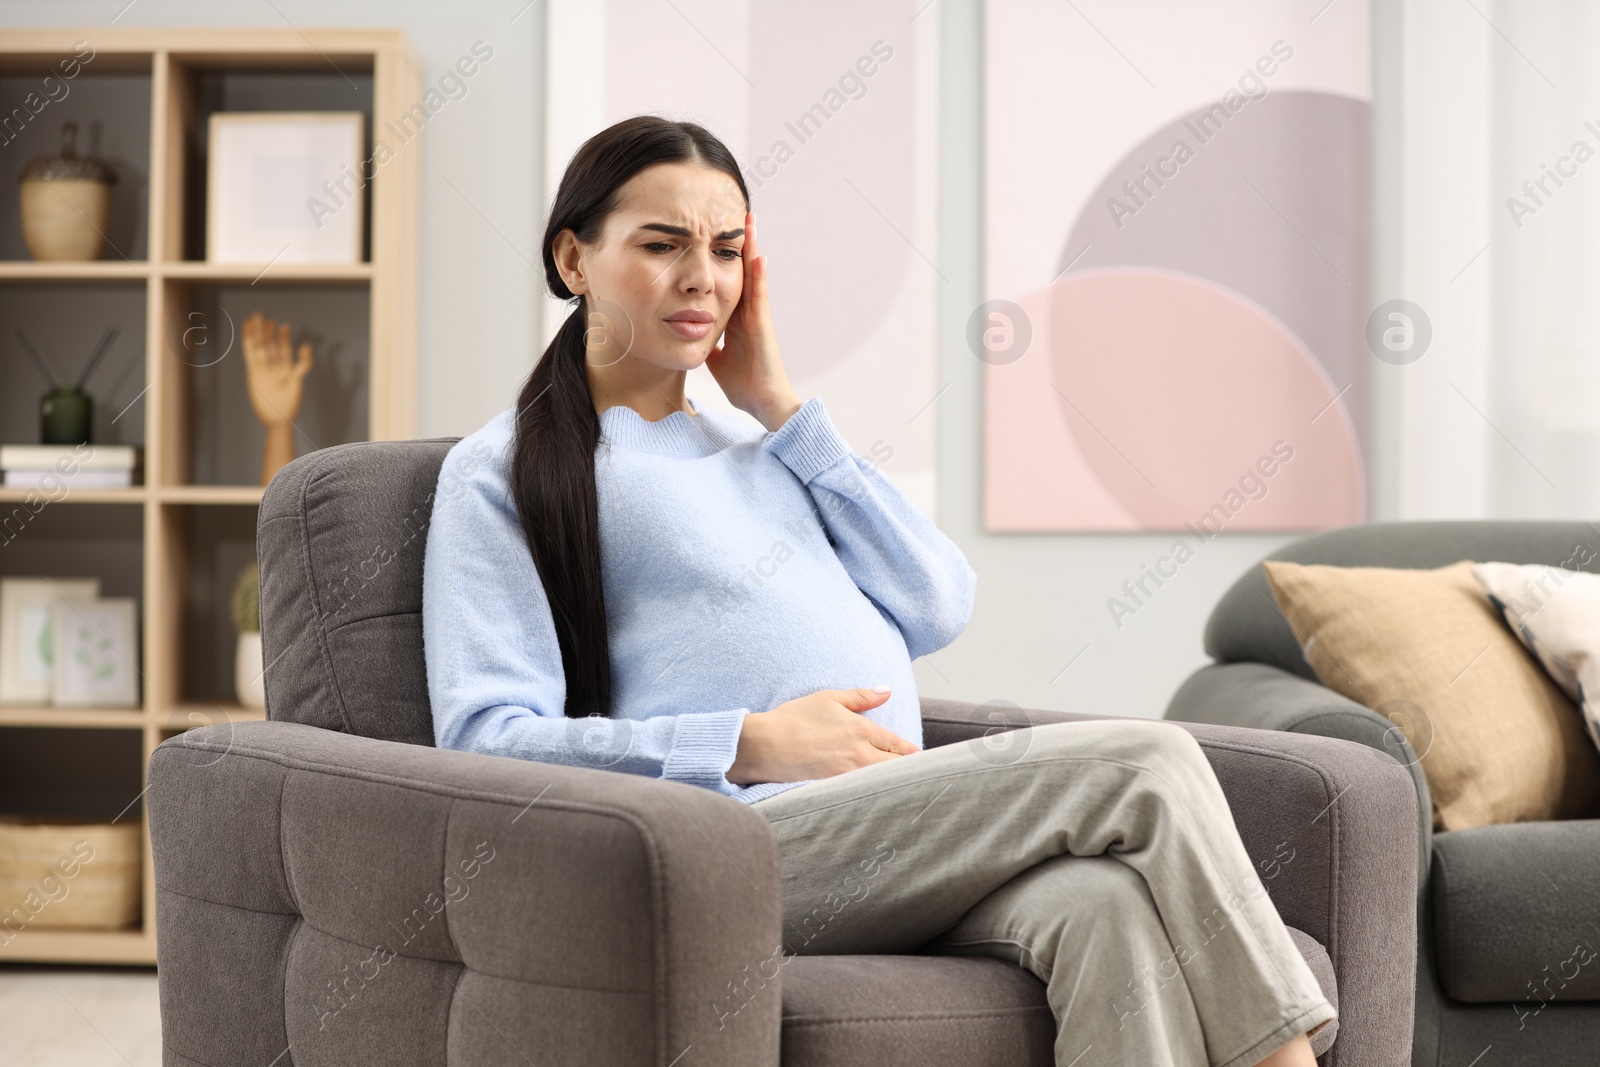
column 1041, row 598
column 1500, row 418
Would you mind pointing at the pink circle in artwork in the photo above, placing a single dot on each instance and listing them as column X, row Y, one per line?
column 1192, row 404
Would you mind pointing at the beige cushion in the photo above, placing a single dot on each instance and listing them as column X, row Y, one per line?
column 1498, row 740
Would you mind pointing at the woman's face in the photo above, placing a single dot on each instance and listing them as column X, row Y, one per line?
column 668, row 254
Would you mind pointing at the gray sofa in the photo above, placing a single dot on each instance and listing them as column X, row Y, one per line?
column 332, row 889
column 1507, row 967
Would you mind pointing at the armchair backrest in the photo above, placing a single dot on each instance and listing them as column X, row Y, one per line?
column 339, row 541
column 1246, row 625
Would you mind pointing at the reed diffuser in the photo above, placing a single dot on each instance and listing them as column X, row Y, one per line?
column 66, row 413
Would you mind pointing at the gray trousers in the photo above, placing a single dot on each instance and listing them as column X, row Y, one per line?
column 1100, row 855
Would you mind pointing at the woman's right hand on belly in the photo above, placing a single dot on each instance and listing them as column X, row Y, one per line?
column 815, row 736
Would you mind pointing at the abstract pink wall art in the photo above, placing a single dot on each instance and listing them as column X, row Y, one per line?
column 1197, row 292
column 1166, row 390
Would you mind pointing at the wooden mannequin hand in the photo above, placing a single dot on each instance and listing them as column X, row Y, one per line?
column 815, row 736
column 274, row 381
column 274, row 378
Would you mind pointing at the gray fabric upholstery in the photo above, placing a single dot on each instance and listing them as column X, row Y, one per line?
column 888, row 1009
column 608, row 922
column 1496, row 905
column 1269, row 698
column 339, row 539
column 314, row 904
column 1515, row 909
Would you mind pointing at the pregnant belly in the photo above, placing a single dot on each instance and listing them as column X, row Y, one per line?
column 779, row 645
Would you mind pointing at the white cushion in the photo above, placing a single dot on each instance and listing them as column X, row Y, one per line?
column 1555, row 613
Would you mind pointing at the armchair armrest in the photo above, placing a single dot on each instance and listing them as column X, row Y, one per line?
column 1329, row 825
column 364, row 901
column 1268, row 698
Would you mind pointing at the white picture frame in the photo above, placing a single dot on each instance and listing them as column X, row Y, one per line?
column 27, row 674
column 96, row 649
column 285, row 187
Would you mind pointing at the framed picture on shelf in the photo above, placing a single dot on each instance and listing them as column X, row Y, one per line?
column 27, row 671
column 284, row 187
column 96, row 646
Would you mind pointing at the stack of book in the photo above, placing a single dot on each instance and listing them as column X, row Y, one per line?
column 73, row 466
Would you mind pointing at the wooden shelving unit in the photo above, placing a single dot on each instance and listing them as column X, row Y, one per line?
column 182, row 534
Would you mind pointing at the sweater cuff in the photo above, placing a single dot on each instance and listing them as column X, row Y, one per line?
column 808, row 443
column 704, row 746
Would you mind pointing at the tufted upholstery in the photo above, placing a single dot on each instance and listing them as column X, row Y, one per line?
column 331, row 889
column 361, row 901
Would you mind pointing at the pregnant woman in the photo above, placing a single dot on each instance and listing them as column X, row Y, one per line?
column 618, row 578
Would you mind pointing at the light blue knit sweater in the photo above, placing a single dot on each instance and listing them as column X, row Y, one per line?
column 742, row 569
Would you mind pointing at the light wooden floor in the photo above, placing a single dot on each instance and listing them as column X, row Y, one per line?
column 79, row 1017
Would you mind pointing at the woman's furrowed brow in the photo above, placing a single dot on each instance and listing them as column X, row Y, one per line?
column 680, row 231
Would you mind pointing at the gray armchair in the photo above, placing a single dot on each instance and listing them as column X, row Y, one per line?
column 332, row 889
column 1506, row 915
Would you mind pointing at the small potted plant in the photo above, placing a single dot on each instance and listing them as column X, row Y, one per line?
column 245, row 607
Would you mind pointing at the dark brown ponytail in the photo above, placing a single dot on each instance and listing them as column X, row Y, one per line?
column 557, row 427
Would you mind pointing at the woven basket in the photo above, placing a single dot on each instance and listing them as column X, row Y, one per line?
column 65, row 872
